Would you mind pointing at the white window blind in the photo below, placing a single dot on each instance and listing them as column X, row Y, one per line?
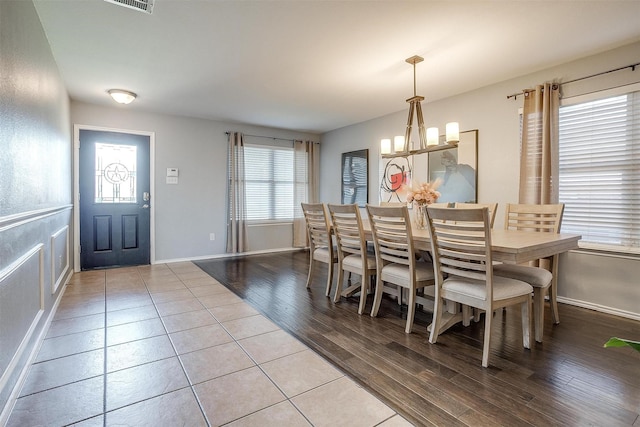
column 269, row 182
column 599, row 182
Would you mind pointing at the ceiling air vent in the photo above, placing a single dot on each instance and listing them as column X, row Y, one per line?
column 145, row 6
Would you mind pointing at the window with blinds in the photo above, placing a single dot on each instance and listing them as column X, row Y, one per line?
column 599, row 177
column 269, row 181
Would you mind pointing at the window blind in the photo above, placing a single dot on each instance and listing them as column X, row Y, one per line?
column 599, row 176
column 269, row 182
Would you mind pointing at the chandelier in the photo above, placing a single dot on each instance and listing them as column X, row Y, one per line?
column 429, row 138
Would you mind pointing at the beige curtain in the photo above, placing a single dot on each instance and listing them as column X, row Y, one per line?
column 236, row 226
column 307, row 177
column 539, row 153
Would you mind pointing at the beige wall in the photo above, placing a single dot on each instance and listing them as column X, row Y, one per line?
column 599, row 282
column 187, row 213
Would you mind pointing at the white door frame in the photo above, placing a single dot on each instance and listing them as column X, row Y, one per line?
column 76, row 188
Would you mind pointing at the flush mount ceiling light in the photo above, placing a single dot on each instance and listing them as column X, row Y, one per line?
column 122, row 96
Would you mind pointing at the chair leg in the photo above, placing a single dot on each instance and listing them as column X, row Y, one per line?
column 311, row 263
column 525, row 308
column 411, row 310
column 538, row 312
column 437, row 320
column 466, row 315
column 329, row 279
column 339, row 282
column 399, row 295
column 487, row 340
column 553, row 290
column 378, row 297
column 364, row 290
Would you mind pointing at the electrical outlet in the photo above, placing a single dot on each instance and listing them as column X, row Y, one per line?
column 212, row 236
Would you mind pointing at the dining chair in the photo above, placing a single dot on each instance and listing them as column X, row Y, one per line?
column 461, row 250
column 493, row 208
column 397, row 261
column 321, row 246
column 545, row 218
column 353, row 255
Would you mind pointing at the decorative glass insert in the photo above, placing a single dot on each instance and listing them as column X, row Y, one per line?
column 115, row 173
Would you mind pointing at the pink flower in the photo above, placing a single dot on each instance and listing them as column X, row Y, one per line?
column 425, row 193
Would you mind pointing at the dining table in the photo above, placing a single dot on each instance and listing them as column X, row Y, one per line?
column 508, row 246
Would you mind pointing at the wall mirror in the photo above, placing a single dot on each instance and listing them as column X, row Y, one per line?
column 355, row 177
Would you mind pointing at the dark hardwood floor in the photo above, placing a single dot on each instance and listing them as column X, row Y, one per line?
column 568, row 380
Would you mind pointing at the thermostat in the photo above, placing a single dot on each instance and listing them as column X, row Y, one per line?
column 172, row 171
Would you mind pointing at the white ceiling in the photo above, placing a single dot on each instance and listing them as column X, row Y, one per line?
column 316, row 65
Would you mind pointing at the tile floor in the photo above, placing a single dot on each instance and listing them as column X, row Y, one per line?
column 167, row 345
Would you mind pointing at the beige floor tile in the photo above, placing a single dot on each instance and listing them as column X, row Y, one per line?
column 300, row 372
column 64, row 370
column 165, row 287
column 188, row 320
column 66, row 345
column 75, row 324
column 135, row 353
column 210, row 289
column 198, row 338
column 131, row 315
column 220, row 299
column 178, row 408
column 396, row 421
column 176, row 307
column 200, row 281
column 143, row 382
column 233, row 396
column 134, row 331
column 163, row 280
column 192, row 275
column 125, row 302
column 214, row 362
column 78, row 310
column 325, row 405
column 174, row 295
column 183, row 266
column 249, row 326
column 59, row 406
column 272, row 345
column 233, row 311
column 281, row 415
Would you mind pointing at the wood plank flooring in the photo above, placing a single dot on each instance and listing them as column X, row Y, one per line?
column 568, row 380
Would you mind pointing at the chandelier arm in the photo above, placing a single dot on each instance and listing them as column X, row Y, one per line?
column 421, row 131
column 407, row 134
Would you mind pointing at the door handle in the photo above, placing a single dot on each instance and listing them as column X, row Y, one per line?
column 145, row 206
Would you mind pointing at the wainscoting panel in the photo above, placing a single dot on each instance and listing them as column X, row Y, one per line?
column 21, row 306
column 59, row 257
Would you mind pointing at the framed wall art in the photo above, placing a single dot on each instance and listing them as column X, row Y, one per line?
column 395, row 175
column 355, row 177
column 457, row 168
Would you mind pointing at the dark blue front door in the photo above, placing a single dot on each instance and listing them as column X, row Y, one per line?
column 114, row 199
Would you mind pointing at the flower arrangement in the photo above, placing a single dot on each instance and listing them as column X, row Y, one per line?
column 425, row 193
column 422, row 195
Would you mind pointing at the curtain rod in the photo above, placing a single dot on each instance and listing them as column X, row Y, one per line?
column 632, row 66
column 266, row 137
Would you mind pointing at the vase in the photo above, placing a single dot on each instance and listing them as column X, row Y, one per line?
column 420, row 218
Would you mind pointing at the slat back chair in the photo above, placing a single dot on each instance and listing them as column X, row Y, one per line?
column 321, row 246
column 461, row 249
column 493, row 208
column 540, row 218
column 396, row 258
column 352, row 251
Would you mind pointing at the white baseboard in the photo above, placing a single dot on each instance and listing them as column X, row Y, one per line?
column 601, row 308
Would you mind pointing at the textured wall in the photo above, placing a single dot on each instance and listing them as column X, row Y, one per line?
column 35, row 187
